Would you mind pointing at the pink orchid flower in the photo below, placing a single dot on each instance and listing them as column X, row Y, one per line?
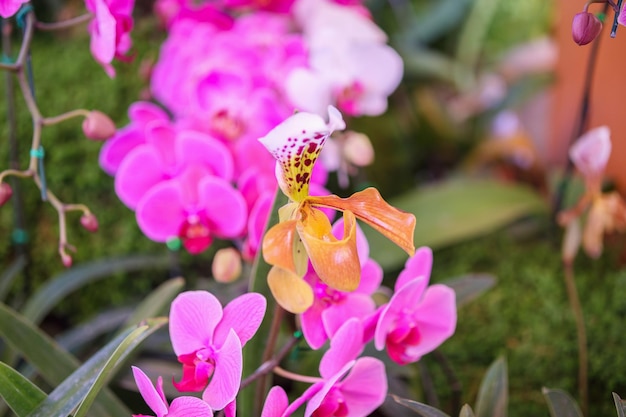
column 350, row 387
column 331, row 308
column 110, row 30
column 417, row 319
column 9, row 7
column 208, row 342
column 276, row 403
column 155, row 398
column 591, row 153
column 195, row 207
column 166, row 154
column 126, row 139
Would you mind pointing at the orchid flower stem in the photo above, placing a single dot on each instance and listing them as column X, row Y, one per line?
column 618, row 8
column 456, row 388
column 65, row 116
column 24, row 48
column 269, row 365
column 296, row 377
column 583, row 118
column 261, row 386
column 574, row 301
column 65, row 24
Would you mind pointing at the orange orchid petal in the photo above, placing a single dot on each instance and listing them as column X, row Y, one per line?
column 278, row 244
column 369, row 206
column 290, row 291
column 336, row 262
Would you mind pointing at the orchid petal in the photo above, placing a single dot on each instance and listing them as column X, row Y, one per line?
column 161, row 211
column 369, row 206
column 149, row 393
column 138, row 172
column 244, row 315
column 308, row 90
column 358, row 306
column 226, row 379
column 224, row 205
column 163, row 138
column 290, row 291
column 189, row 407
column 336, row 262
column 231, row 409
column 591, row 151
column 115, row 149
column 278, row 245
column 103, row 34
column 418, row 265
column 364, row 389
column 143, row 112
column 198, row 148
column 295, row 144
column 345, row 346
column 363, row 247
column 316, row 400
column 276, row 403
column 312, row 325
column 194, row 315
column 371, row 277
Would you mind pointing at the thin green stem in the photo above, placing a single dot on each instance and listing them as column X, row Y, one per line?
column 261, row 386
column 269, row 365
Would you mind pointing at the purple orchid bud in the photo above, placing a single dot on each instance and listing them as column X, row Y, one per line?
column 585, row 28
column 89, row 222
column 98, row 126
column 5, row 193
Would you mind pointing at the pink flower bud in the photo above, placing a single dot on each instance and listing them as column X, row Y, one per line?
column 89, row 222
column 358, row 149
column 98, row 126
column 5, row 192
column 66, row 259
column 585, row 28
column 226, row 265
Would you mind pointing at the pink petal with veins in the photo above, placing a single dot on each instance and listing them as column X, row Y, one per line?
column 365, row 387
column 276, row 403
column 189, row 407
column 345, row 346
column 154, row 400
column 225, row 382
column 244, row 315
column 224, row 206
column 419, row 265
column 161, row 211
column 140, row 170
column 194, row 315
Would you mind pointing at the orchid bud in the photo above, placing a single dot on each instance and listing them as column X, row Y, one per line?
column 358, row 149
column 66, row 259
column 98, row 126
column 89, row 222
column 585, row 28
column 5, row 192
column 226, row 265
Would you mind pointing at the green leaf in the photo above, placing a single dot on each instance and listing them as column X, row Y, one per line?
column 466, row 411
column 620, row 405
column 419, row 408
column 8, row 276
column 157, row 302
column 453, row 211
column 18, row 392
column 469, row 287
column 247, row 403
column 437, row 20
column 560, row 403
column 55, row 290
column 493, row 394
column 54, row 363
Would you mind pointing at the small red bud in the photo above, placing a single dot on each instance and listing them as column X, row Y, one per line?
column 66, row 259
column 585, row 28
column 89, row 222
column 5, row 192
column 98, row 126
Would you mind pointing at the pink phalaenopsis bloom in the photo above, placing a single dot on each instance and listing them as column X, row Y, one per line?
column 208, row 342
column 351, row 386
column 276, row 403
column 114, row 150
column 331, row 308
column 591, row 153
column 155, row 398
column 110, row 30
column 9, row 7
column 418, row 318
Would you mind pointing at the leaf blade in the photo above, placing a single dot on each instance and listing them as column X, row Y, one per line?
column 20, row 394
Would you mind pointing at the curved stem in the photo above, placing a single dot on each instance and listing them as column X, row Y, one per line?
column 65, row 116
column 269, row 365
column 296, row 377
column 581, row 333
column 65, row 24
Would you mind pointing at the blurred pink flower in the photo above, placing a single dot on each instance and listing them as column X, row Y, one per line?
column 9, row 7
column 141, row 114
column 208, row 342
column 155, row 398
column 591, row 152
column 172, row 11
column 276, row 6
column 195, row 207
column 110, row 30
column 331, row 308
column 350, row 387
column 417, row 319
column 167, row 153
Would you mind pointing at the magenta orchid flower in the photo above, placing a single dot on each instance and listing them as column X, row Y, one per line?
column 351, row 386
column 276, row 403
column 110, row 30
column 208, row 342
column 9, row 7
column 166, row 154
column 126, row 139
column 331, row 308
column 590, row 154
column 195, row 207
column 155, row 398
column 417, row 319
